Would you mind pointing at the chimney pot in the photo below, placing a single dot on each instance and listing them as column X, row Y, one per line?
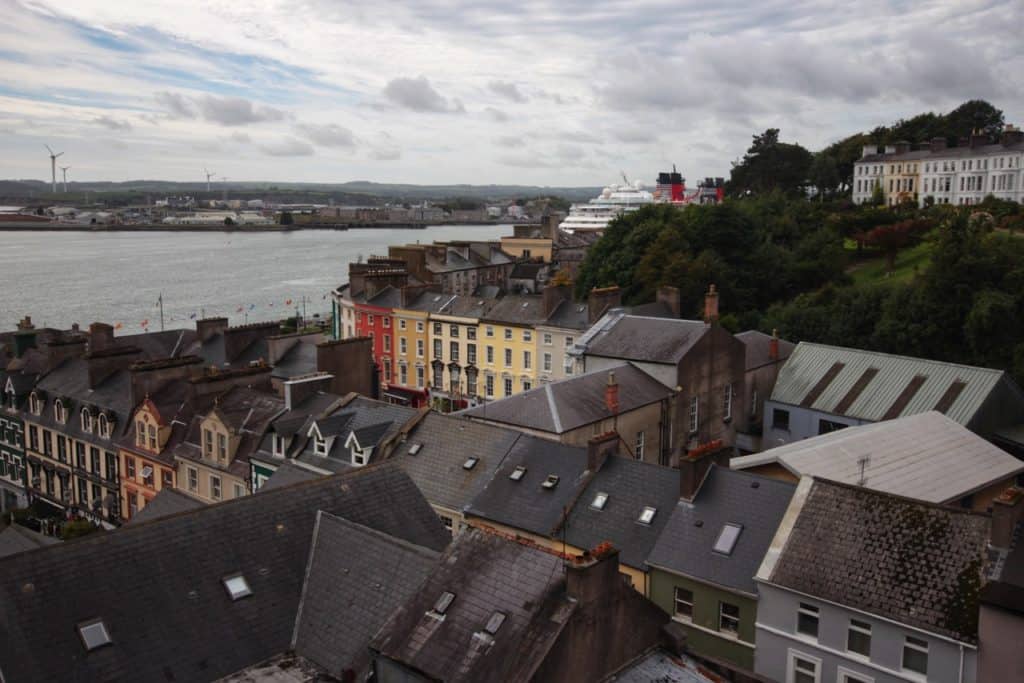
column 711, row 305
column 611, row 394
column 773, row 345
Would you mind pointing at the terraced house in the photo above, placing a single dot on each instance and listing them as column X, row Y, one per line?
column 458, row 351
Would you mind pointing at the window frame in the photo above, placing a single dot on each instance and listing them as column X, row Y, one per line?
column 854, row 626
column 723, row 617
column 791, row 668
column 676, row 601
column 916, row 648
column 806, row 609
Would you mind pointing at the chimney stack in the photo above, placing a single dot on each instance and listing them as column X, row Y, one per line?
column 599, row 448
column 711, row 305
column 208, row 327
column 1007, row 509
column 669, row 296
column 601, row 301
column 693, row 467
column 868, row 150
column 553, row 296
column 773, row 345
column 978, row 140
column 594, row 575
column 298, row 390
column 611, row 394
column 26, row 323
column 902, row 147
column 938, row 144
column 101, row 336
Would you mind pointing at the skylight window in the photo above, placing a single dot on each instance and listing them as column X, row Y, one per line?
column 727, row 538
column 599, row 500
column 94, row 634
column 551, row 482
column 518, row 473
column 495, row 622
column 415, row 448
column 444, row 602
column 647, row 515
column 237, row 586
column 470, row 462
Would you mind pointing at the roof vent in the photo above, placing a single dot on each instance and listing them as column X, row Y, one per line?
column 94, row 634
column 237, row 586
column 699, row 523
column 518, row 473
column 647, row 515
column 415, row 448
column 755, row 484
column 551, row 482
column 470, row 463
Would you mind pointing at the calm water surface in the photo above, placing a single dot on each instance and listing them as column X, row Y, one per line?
column 117, row 277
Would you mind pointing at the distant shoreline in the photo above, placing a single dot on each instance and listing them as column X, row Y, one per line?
column 160, row 227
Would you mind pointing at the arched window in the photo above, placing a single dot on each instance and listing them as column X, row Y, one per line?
column 86, row 420
column 104, row 426
column 34, row 404
column 58, row 411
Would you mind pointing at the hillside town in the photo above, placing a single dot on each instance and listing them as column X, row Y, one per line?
column 471, row 474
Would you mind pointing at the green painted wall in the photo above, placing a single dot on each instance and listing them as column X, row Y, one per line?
column 706, row 599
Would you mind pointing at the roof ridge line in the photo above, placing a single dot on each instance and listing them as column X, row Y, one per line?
column 553, row 407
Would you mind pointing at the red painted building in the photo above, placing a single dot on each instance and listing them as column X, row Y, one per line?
column 373, row 319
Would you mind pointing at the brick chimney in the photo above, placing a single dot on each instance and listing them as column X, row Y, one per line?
column 902, row 147
column 24, row 339
column 711, row 305
column 594, row 575
column 1007, row 509
column 147, row 377
column 105, row 362
column 350, row 362
column 600, row 301
column 692, row 470
column 669, row 296
column 611, row 394
column 1011, row 135
column 773, row 345
column 599, row 448
column 101, row 336
column 553, row 296
column 208, row 327
column 978, row 140
column 298, row 390
column 238, row 339
column 57, row 352
column 937, row 144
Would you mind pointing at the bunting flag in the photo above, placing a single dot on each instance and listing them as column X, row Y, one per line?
column 239, row 309
column 271, row 304
column 288, row 302
column 252, row 306
column 192, row 316
column 144, row 323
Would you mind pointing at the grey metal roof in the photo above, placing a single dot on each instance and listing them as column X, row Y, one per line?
column 525, row 504
column 357, row 577
column 809, row 364
column 686, row 545
column 167, row 502
column 446, row 443
column 486, row 574
column 653, row 340
column 158, row 585
column 572, row 403
column 927, row 456
column 630, row 486
column 915, row 563
column 17, row 539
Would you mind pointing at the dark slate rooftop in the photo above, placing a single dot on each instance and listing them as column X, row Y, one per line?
column 569, row 315
column 299, row 360
column 286, row 474
column 389, row 297
column 653, row 340
column 357, row 578
column 164, row 504
column 16, row 539
column 70, row 382
column 915, row 563
column 486, row 574
column 757, row 344
column 726, row 496
column 158, row 586
column 446, row 443
column 660, row 666
column 525, row 504
column 572, row 403
column 630, row 486
column 517, row 309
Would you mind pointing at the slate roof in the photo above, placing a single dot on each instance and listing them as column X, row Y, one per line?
column 358, row 414
column 652, row 340
column 659, row 666
column 517, row 309
column 945, row 153
column 487, row 574
column 525, row 504
column 165, row 503
column 16, row 539
column 286, row 474
column 70, row 382
column 389, row 297
column 757, row 345
column 837, row 380
column 300, row 359
column 726, row 496
column 911, row 562
column 630, row 485
column 927, row 456
column 437, row 468
column 357, row 578
column 569, row 315
column 561, row 407
column 158, row 585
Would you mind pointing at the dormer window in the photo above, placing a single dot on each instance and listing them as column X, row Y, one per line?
column 94, row 634
column 104, row 426
column 319, row 445
column 34, row 404
column 86, row 420
column 11, row 397
column 59, row 413
column 152, row 437
column 140, row 433
column 278, row 442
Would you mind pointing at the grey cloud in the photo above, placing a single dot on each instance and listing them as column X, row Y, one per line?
column 236, row 111
column 496, row 114
column 417, row 94
column 386, row 154
column 287, row 147
column 176, row 105
column 578, row 136
column 507, row 90
column 328, row 135
column 112, row 123
column 508, row 141
column 239, row 136
column 634, row 135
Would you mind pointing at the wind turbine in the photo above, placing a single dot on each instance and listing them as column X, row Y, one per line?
column 64, row 170
column 208, row 176
column 53, row 169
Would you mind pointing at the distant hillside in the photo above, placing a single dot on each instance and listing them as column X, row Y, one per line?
column 355, row 192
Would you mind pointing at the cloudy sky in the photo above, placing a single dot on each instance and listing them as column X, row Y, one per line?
column 477, row 91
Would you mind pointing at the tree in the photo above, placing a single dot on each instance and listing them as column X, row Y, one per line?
column 895, row 236
column 286, row 218
column 769, row 165
column 974, row 115
column 229, row 221
column 824, row 174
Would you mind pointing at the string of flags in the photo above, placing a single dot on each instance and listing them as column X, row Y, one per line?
column 145, row 324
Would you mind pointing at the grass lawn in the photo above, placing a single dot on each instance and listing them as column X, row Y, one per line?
column 873, row 269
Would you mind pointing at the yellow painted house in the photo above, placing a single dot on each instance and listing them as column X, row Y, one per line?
column 509, row 340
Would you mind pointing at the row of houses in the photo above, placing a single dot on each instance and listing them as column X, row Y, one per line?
column 960, row 175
